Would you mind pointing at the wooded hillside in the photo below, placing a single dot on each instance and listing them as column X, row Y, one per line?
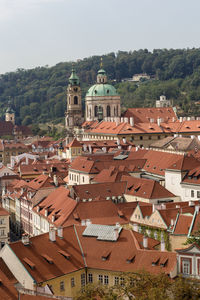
column 39, row 95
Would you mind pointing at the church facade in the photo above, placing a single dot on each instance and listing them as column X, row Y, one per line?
column 101, row 102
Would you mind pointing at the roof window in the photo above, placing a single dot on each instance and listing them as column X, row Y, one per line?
column 47, row 258
column 29, row 263
column 130, row 259
column 163, row 261
column 65, row 254
column 105, row 255
column 155, row 261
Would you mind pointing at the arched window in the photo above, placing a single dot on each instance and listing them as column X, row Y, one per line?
column 108, row 110
column 114, row 111
column 75, row 100
column 95, row 111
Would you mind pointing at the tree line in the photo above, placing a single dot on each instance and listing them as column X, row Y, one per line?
column 39, row 95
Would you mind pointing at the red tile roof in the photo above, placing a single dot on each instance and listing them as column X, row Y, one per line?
column 145, row 188
column 7, row 289
column 74, row 143
column 143, row 115
column 104, row 190
column 183, row 225
column 90, row 254
column 58, row 205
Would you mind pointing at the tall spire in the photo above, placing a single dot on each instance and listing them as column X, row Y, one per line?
column 101, row 63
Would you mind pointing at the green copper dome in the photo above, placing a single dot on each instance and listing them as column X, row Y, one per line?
column 10, row 110
column 102, row 90
column 74, row 79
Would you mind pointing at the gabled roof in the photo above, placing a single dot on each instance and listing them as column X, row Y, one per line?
column 184, row 163
column 145, row 188
column 58, row 205
column 74, row 143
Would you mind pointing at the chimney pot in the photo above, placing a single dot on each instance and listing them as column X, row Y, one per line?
column 52, row 234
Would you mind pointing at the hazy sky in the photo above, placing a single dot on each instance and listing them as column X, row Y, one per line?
column 45, row 32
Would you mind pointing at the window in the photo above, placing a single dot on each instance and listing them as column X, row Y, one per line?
column 116, row 280
column 106, row 279
column 198, row 194
column 149, row 137
column 141, row 137
column 1, row 221
column 82, row 279
column 2, row 232
column 62, row 286
column 100, row 278
column 90, row 278
column 158, row 137
column 192, row 193
column 186, row 267
column 95, row 111
column 72, row 282
column 108, row 110
column 122, row 281
column 83, row 178
column 75, row 100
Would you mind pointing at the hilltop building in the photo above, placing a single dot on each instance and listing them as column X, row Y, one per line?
column 163, row 102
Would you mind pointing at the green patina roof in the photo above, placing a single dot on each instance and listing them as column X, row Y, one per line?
column 74, row 79
column 101, row 72
column 10, row 110
column 101, row 89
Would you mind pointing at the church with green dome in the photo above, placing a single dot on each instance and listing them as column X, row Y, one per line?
column 102, row 100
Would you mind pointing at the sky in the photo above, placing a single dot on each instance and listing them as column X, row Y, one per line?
column 45, row 32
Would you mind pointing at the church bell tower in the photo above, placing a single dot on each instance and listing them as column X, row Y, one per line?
column 74, row 106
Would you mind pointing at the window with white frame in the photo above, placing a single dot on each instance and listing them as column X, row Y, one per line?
column 100, row 278
column 90, row 278
column 82, row 279
column 192, row 193
column 186, row 266
column 116, row 282
column 106, row 279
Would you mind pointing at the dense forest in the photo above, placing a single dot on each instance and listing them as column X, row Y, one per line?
column 39, row 95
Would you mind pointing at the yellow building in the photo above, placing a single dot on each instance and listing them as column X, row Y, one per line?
column 78, row 255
